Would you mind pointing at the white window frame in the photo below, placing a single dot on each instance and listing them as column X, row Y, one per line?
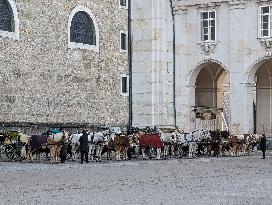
column 120, row 40
column 74, row 45
column 13, row 35
column 209, row 27
column 269, row 22
column 123, row 7
column 121, row 85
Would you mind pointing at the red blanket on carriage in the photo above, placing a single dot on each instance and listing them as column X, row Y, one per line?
column 150, row 140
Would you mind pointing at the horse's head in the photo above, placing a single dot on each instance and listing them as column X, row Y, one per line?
column 65, row 136
column 206, row 134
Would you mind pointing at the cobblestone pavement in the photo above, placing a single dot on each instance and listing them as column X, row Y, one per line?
column 223, row 180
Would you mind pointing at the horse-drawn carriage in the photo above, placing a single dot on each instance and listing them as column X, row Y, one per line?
column 143, row 143
column 11, row 143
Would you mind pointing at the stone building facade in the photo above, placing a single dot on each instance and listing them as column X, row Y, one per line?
column 48, row 76
column 222, row 64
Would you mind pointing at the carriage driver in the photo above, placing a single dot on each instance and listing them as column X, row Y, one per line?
column 84, row 146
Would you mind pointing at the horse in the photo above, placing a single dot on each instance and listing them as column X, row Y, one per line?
column 74, row 144
column 169, row 140
column 35, row 145
column 96, row 142
column 121, row 142
column 214, row 143
column 44, row 143
column 234, row 141
column 109, row 145
column 133, row 145
column 150, row 140
column 96, row 145
column 185, row 140
column 191, row 141
column 55, row 142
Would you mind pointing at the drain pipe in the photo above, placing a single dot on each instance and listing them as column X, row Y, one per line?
column 174, row 62
column 130, row 63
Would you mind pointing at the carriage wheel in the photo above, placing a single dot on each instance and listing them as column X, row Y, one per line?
column 7, row 153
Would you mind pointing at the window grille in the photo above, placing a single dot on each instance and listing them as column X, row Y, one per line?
column 123, row 41
column 208, row 26
column 265, row 28
column 82, row 29
column 123, row 3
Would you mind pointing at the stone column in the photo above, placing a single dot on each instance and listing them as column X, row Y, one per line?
column 238, row 97
column 183, row 88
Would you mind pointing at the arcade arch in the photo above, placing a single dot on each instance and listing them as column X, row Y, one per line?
column 210, row 101
column 260, row 79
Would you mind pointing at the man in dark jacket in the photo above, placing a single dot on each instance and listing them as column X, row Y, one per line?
column 263, row 145
column 84, row 146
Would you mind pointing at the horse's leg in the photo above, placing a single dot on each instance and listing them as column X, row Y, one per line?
column 38, row 153
column 51, row 154
column 143, row 152
column 58, row 154
column 73, row 151
column 100, row 152
column 126, row 153
column 179, row 151
column 166, row 148
column 108, row 153
column 172, row 150
column 158, row 153
column 235, row 148
column 220, row 150
column 97, row 153
column 117, row 153
column 92, row 153
column 30, row 156
column 209, row 150
column 194, row 150
column 137, row 151
column 190, row 150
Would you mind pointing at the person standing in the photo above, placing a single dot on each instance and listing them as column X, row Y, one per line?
column 84, row 146
column 263, row 145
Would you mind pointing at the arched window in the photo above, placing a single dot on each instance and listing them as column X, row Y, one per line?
column 9, row 22
column 83, row 30
column 6, row 17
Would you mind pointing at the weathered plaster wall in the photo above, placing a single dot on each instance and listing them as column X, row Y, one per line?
column 44, row 81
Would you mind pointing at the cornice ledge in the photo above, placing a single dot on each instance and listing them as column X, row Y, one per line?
column 179, row 9
column 208, row 5
column 261, row 2
column 237, row 4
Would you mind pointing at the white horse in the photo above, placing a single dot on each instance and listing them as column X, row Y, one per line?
column 184, row 140
column 54, row 142
column 96, row 144
column 169, row 140
column 75, row 144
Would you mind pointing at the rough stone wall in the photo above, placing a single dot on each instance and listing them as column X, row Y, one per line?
column 44, row 81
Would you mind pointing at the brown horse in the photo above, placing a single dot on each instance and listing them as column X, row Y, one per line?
column 121, row 142
column 234, row 143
